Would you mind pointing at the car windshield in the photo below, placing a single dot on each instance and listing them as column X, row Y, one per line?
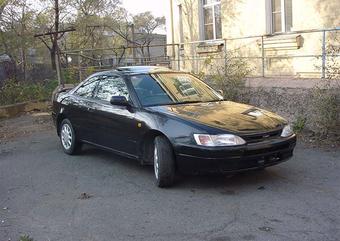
column 172, row 88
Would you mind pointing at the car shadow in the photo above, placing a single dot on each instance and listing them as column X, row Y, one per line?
column 108, row 157
column 255, row 178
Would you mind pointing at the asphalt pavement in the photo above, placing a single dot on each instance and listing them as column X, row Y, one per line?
column 99, row 196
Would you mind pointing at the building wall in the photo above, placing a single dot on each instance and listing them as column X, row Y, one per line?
column 242, row 18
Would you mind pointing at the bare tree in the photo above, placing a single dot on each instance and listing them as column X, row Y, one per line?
column 52, row 32
column 145, row 25
column 16, row 31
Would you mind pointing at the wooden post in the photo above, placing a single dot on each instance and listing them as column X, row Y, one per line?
column 323, row 58
column 57, row 65
column 80, row 66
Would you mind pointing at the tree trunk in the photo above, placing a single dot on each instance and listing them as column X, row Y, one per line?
column 149, row 56
column 24, row 64
column 52, row 55
column 143, row 55
column 54, row 48
column 22, row 41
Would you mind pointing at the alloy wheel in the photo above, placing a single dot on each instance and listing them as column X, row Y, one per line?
column 66, row 136
column 156, row 161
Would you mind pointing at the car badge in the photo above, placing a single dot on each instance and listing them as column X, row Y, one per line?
column 255, row 113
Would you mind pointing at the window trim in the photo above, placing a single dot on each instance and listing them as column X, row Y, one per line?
column 202, row 7
column 283, row 17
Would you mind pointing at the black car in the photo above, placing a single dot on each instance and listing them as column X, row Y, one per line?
column 171, row 120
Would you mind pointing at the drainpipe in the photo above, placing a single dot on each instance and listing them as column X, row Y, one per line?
column 172, row 30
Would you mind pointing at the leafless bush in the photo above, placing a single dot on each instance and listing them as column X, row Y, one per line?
column 229, row 76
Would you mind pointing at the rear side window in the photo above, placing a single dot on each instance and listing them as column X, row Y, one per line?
column 86, row 90
column 111, row 86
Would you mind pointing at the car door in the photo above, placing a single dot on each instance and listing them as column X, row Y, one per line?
column 80, row 108
column 116, row 125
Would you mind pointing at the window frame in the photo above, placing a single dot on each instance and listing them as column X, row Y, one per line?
column 180, row 23
column 203, row 24
column 102, row 78
column 133, row 96
column 284, row 26
column 84, row 83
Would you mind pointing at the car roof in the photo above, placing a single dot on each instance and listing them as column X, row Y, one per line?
column 131, row 70
column 143, row 69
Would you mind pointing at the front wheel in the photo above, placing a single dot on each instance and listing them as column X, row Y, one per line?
column 164, row 162
column 68, row 139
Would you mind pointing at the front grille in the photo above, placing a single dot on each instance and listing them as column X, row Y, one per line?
column 258, row 137
column 268, row 151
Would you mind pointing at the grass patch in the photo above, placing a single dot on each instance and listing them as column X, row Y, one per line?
column 25, row 238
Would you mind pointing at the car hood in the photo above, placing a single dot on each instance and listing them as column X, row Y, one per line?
column 226, row 115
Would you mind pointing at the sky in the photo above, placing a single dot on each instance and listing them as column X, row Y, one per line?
column 157, row 7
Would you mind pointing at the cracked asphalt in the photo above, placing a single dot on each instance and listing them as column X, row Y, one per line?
column 42, row 195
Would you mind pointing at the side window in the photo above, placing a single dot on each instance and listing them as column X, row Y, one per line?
column 111, row 86
column 86, row 90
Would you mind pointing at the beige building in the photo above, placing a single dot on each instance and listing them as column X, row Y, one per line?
column 276, row 37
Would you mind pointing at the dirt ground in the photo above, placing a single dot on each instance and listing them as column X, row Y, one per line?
column 24, row 125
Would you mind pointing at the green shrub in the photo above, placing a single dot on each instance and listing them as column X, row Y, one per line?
column 325, row 107
column 71, row 75
column 16, row 92
column 299, row 124
column 90, row 70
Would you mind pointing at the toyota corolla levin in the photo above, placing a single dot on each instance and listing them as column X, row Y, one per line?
column 170, row 120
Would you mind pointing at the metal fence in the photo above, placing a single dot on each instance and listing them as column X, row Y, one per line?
column 83, row 62
column 295, row 53
column 305, row 53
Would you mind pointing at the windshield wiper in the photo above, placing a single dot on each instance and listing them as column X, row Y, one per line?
column 189, row 102
column 213, row 100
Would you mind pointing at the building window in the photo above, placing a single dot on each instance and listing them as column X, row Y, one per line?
column 212, row 19
column 281, row 15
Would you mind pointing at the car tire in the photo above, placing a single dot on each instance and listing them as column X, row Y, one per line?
column 164, row 162
column 68, row 138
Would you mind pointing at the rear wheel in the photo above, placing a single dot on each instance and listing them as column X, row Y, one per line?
column 68, row 138
column 164, row 162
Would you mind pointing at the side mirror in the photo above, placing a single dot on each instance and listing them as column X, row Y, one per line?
column 220, row 92
column 119, row 100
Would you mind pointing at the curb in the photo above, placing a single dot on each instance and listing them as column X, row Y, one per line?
column 9, row 111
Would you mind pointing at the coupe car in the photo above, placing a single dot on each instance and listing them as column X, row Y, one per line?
column 171, row 120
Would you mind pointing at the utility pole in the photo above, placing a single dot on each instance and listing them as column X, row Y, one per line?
column 57, row 54
column 57, row 65
column 54, row 37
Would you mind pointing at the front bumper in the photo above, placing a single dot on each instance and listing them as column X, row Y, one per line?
column 198, row 159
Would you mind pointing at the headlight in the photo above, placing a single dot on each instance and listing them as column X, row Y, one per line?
column 287, row 131
column 218, row 140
